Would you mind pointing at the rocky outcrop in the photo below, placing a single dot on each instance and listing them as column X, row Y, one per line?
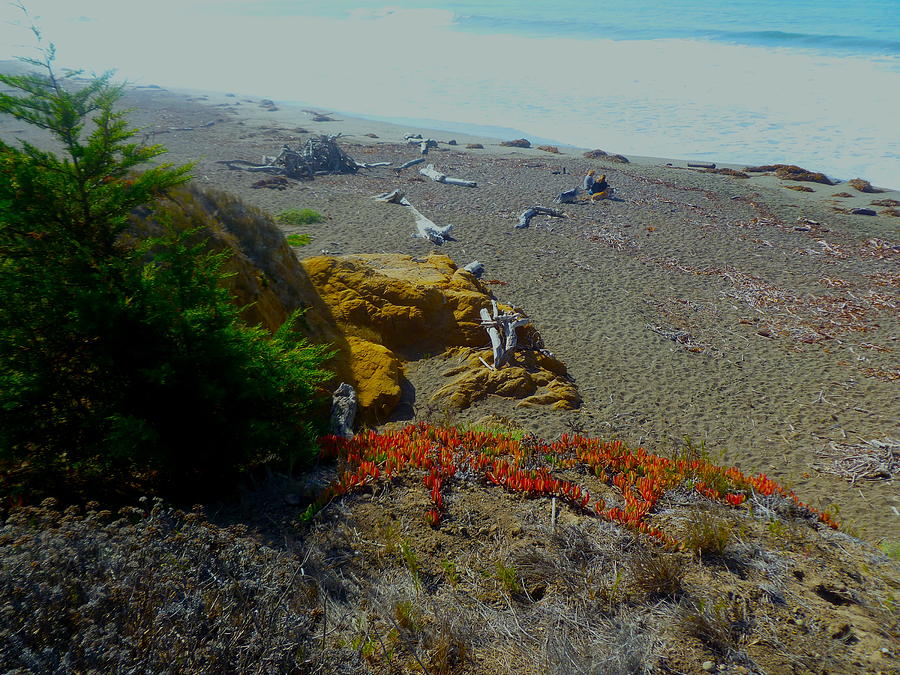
column 533, row 377
column 792, row 172
column 392, row 309
column 378, row 311
column 607, row 156
column 862, row 185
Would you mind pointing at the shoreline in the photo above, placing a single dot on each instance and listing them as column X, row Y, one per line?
column 471, row 133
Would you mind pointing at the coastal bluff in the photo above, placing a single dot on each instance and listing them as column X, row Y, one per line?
column 378, row 311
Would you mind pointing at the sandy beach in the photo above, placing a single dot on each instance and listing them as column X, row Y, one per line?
column 756, row 319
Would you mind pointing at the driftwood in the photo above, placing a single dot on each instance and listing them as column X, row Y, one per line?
column 869, row 460
column 412, row 162
column 439, row 177
column 525, row 218
column 425, row 228
column 344, row 405
column 501, row 328
column 321, row 155
column 567, row 197
column 425, row 144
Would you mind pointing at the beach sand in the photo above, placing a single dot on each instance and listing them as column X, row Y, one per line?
column 747, row 316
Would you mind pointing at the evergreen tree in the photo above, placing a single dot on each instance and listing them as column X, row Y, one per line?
column 120, row 360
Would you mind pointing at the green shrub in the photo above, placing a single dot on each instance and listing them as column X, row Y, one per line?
column 125, row 361
column 299, row 217
column 508, row 577
column 298, row 239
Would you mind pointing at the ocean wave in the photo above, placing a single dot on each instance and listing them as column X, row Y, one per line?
column 775, row 38
column 611, row 29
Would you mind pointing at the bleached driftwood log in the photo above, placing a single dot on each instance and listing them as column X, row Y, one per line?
column 501, row 328
column 343, row 410
column 525, row 218
column 425, row 228
column 412, row 162
column 567, row 197
column 439, row 177
column 371, row 165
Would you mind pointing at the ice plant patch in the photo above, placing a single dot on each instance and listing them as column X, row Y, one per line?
column 638, row 478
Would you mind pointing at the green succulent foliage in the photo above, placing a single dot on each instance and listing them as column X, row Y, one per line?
column 299, row 217
column 120, row 358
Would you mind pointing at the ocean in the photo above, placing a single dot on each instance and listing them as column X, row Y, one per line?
column 768, row 81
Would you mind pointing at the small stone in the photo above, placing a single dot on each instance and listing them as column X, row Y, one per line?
column 863, row 212
column 708, row 666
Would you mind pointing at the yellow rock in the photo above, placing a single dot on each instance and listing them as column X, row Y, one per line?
column 377, row 311
column 407, row 305
column 533, row 377
column 375, row 371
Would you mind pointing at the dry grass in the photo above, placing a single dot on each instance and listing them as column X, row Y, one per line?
column 366, row 586
column 145, row 590
column 706, row 534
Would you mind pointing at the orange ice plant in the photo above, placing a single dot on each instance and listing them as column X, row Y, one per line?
column 641, row 478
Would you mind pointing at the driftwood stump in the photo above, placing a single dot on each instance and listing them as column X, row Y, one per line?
column 343, row 410
column 321, row 155
column 567, row 197
column 501, row 328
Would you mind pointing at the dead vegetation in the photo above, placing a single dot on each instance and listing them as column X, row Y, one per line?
column 871, row 460
column 368, row 586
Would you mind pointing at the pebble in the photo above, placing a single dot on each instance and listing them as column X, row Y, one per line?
column 708, row 666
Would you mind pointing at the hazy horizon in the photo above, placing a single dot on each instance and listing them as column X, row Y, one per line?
column 811, row 84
